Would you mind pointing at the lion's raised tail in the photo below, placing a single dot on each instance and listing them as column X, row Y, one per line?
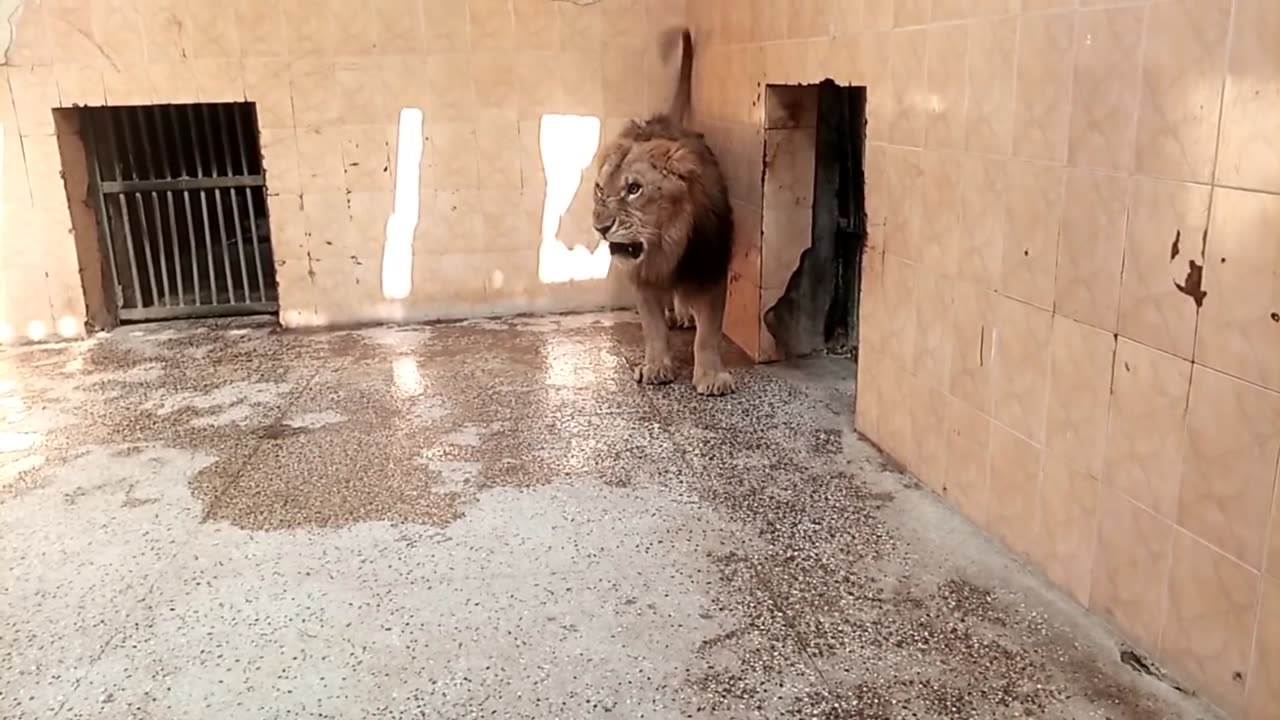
column 684, row 87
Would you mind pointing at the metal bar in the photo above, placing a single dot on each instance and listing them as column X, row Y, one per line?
column 109, row 120
column 160, row 140
column 140, row 116
column 235, row 210
column 142, row 212
column 244, row 266
column 146, row 245
column 133, row 261
column 204, row 206
column 180, row 169
column 88, row 126
column 224, row 246
column 243, row 143
column 197, row 311
column 217, row 204
column 257, row 246
column 113, row 187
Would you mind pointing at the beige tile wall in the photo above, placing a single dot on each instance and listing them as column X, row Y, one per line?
column 329, row 79
column 1051, row 185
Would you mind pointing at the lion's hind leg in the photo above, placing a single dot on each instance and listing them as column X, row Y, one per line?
column 679, row 315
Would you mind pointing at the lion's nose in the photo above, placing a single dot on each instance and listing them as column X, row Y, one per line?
column 604, row 227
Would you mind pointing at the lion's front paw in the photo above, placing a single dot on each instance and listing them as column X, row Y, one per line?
column 679, row 319
column 714, row 384
column 654, row 373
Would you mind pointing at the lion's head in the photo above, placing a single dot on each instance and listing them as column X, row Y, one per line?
column 647, row 193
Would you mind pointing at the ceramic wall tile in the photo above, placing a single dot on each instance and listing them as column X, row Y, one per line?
column 1145, row 433
column 1091, row 248
column 1164, row 255
column 1182, row 81
column 1208, row 628
column 1233, row 446
column 1239, row 330
column 1021, row 344
column 1248, row 155
column 1105, row 89
column 1042, row 110
column 1135, row 547
column 1080, row 385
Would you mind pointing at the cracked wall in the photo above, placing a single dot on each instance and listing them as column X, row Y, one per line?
column 10, row 10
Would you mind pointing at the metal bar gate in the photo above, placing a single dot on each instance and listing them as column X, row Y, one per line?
column 182, row 212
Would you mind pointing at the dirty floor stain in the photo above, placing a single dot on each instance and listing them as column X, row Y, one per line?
column 490, row 519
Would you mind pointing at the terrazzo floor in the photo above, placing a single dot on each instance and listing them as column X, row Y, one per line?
column 490, row 519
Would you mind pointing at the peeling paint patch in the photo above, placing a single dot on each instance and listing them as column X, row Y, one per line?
column 1193, row 285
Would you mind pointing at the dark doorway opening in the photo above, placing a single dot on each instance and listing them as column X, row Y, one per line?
column 181, row 208
column 818, row 310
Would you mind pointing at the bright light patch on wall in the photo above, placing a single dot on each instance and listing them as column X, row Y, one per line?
column 567, row 144
column 37, row 330
column 397, row 251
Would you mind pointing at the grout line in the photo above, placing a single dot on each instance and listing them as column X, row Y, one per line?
column 1076, row 29
column 1222, row 100
column 1013, row 94
column 1130, row 186
column 1213, row 193
column 1272, row 526
column 22, row 143
column 1143, row 43
column 1158, row 650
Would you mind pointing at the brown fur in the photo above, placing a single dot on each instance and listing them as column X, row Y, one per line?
column 662, row 205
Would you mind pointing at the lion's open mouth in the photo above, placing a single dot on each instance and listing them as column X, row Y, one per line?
column 631, row 250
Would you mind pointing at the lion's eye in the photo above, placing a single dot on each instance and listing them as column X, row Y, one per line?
column 634, row 188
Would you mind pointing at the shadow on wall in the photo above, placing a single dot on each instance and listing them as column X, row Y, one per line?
column 567, row 146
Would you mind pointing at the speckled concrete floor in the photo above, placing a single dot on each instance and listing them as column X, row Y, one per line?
column 489, row 519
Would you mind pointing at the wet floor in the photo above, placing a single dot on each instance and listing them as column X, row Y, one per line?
column 490, row 519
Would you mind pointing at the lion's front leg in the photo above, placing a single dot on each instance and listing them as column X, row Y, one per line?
column 709, row 375
column 657, row 366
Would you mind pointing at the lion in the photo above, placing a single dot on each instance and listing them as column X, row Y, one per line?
column 662, row 206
